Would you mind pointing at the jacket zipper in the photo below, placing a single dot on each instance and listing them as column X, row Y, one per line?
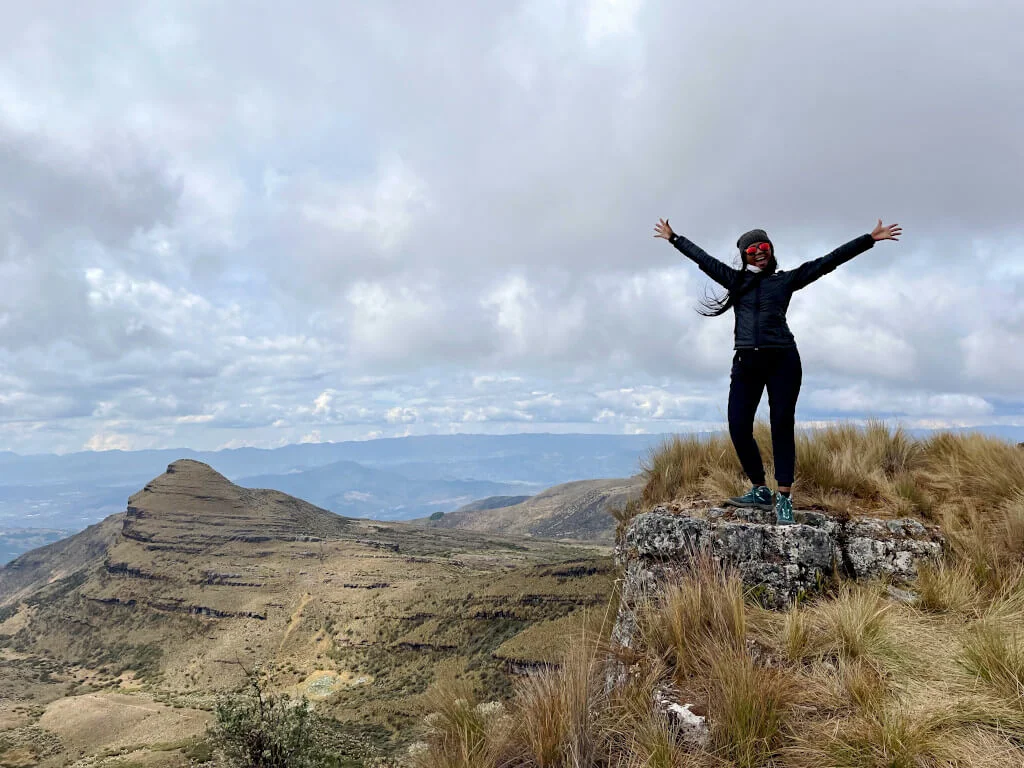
column 757, row 315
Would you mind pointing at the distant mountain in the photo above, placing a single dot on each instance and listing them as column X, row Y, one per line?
column 72, row 491
column 492, row 502
column 348, row 488
column 579, row 511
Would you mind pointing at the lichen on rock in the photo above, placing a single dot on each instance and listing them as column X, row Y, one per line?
column 778, row 562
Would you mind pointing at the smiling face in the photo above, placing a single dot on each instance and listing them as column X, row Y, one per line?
column 761, row 256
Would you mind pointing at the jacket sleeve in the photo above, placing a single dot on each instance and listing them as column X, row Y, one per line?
column 810, row 271
column 712, row 267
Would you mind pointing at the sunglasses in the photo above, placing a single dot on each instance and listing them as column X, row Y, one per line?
column 752, row 249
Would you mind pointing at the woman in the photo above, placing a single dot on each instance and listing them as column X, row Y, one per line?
column 765, row 350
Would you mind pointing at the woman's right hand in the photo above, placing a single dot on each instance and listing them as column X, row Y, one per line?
column 663, row 230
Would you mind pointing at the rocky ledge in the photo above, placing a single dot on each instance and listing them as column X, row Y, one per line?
column 778, row 562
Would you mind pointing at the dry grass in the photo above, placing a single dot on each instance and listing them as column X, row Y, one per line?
column 851, row 681
column 848, row 680
column 553, row 711
column 948, row 588
column 749, row 705
column 994, row 652
column 875, row 467
column 684, row 464
column 697, row 618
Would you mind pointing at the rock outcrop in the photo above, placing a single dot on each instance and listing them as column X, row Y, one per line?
column 778, row 562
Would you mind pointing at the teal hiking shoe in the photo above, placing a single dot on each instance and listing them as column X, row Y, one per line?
column 758, row 497
column 783, row 510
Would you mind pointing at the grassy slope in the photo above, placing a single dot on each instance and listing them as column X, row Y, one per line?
column 580, row 511
column 851, row 680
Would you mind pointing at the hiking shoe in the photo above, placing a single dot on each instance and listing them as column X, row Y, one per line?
column 758, row 497
column 783, row 510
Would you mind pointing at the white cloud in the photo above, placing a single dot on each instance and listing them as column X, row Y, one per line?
column 322, row 403
column 401, row 415
column 385, row 209
column 407, row 225
column 610, row 19
column 109, row 441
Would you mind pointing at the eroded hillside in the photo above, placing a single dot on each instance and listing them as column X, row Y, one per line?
column 164, row 604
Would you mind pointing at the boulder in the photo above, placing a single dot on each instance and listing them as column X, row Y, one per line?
column 779, row 562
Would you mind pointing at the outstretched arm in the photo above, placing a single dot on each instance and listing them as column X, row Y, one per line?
column 712, row 267
column 810, row 271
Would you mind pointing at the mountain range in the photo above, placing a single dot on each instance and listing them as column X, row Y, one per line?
column 45, row 496
column 389, row 479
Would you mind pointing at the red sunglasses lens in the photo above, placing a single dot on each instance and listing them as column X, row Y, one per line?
column 752, row 249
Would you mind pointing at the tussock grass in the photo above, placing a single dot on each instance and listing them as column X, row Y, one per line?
column 684, row 462
column 856, row 626
column 892, row 737
column 875, row 467
column 949, row 588
column 994, row 652
column 553, row 711
column 850, row 679
column 749, row 706
column 460, row 732
column 697, row 619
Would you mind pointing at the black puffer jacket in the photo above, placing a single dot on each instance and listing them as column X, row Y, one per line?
column 763, row 299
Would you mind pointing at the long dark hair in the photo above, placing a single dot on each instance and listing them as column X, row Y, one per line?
column 744, row 281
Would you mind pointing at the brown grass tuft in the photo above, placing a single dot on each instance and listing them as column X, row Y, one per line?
column 994, row 653
column 748, row 707
column 949, row 588
column 855, row 625
column 682, row 462
column 871, row 468
column 553, row 713
column 459, row 733
column 699, row 617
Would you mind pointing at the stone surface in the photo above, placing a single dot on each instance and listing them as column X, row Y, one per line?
column 691, row 728
column 780, row 562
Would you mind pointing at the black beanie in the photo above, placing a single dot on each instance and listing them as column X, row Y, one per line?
column 754, row 236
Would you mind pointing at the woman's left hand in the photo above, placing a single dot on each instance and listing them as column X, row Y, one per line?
column 891, row 232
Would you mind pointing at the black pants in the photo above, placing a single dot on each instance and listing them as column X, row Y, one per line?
column 779, row 370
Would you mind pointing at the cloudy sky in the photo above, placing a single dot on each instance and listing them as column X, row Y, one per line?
column 235, row 224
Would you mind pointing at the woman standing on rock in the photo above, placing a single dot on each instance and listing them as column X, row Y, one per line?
column 765, row 350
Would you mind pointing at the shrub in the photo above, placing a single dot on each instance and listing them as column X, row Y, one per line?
column 262, row 729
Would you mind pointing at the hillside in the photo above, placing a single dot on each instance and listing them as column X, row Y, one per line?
column 150, row 613
column 492, row 502
column 579, row 511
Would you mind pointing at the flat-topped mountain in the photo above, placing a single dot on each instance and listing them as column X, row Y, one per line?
column 162, row 601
